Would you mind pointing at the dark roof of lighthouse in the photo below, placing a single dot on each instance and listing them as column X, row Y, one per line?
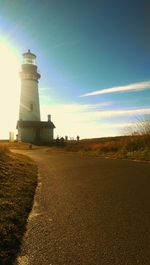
column 35, row 124
column 29, row 53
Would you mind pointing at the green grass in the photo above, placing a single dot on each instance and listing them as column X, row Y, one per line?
column 18, row 180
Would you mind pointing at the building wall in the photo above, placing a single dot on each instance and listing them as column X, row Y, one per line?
column 29, row 101
column 26, row 135
column 29, row 135
column 46, row 134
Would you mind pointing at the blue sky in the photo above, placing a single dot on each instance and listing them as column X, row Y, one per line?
column 82, row 47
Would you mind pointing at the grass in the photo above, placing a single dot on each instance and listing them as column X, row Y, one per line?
column 18, row 145
column 129, row 147
column 136, row 145
column 18, row 180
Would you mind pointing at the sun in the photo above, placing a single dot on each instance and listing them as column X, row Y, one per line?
column 9, row 88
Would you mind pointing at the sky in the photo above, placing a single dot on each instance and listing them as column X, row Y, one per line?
column 94, row 61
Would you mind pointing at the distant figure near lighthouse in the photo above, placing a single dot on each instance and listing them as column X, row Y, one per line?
column 30, row 127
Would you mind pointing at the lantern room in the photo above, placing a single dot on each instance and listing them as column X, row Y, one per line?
column 29, row 58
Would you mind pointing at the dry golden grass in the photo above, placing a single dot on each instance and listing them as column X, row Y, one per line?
column 18, row 145
column 133, row 146
column 3, row 150
column 18, row 180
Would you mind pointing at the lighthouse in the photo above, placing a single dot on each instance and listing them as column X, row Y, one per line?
column 29, row 99
column 30, row 127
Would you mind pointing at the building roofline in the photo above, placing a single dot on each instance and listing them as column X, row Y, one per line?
column 35, row 124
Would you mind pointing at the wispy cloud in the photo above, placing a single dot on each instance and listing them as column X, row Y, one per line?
column 118, row 125
column 76, row 108
column 92, row 110
column 121, row 112
column 91, row 120
column 130, row 87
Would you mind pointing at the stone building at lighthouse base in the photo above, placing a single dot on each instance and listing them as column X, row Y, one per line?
column 36, row 132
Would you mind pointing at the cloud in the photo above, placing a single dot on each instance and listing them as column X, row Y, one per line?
column 129, row 87
column 121, row 112
column 91, row 110
column 76, row 108
column 118, row 125
column 91, row 120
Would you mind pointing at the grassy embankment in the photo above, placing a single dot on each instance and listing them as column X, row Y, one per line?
column 129, row 147
column 18, row 180
column 19, row 145
column 136, row 145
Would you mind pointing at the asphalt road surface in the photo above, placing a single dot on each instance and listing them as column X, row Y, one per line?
column 88, row 211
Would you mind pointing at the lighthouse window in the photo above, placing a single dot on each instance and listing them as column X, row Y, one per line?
column 29, row 60
column 31, row 106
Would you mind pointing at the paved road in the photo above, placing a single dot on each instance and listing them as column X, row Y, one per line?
column 88, row 211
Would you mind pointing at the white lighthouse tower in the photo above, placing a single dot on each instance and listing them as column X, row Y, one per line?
column 29, row 99
column 30, row 127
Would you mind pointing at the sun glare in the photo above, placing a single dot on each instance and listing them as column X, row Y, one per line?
column 9, row 88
